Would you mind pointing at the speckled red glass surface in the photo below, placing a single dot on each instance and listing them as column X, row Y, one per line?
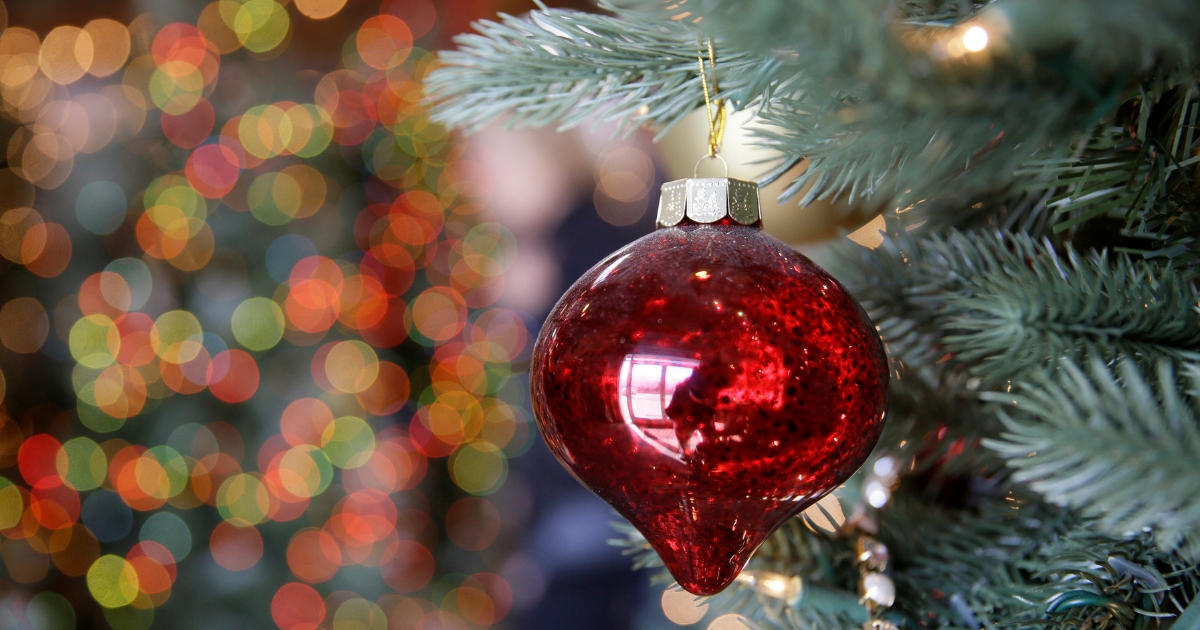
column 709, row 383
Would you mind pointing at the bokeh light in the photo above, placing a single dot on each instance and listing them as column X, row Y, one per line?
column 66, row 54
column 235, row 548
column 24, row 325
column 113, row 581
column 101, row 207
column 110, row 46
column 297, row 606
column 268, row 290
column 319, row 9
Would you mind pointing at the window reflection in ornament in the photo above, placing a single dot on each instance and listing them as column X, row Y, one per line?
column 646, row 387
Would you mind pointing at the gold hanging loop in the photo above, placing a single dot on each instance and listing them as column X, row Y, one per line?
column 715, row 107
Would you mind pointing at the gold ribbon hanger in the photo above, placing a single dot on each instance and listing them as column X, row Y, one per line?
column 715, row 107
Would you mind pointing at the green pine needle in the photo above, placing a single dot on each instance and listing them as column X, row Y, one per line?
column 1024, row 316
column 1003, row 305
column 1112, row 445
column 568, row 67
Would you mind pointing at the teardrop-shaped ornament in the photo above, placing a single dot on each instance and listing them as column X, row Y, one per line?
column 709, row 382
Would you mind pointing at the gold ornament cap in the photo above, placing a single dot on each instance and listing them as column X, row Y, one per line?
column 708, row 200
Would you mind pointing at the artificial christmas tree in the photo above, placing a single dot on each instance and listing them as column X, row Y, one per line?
column 1036, row 289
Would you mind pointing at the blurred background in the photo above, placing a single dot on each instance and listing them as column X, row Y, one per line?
column 265, row 327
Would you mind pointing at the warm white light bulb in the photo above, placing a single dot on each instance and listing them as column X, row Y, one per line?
column 773, row 585
column 975, row 39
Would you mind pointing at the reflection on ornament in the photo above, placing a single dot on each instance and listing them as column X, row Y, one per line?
column 647, row 387
column 709, row 383
column 879, row 589
column 879, row 624
column 872, row 553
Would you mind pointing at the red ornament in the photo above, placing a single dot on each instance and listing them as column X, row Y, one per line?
column 709, row 383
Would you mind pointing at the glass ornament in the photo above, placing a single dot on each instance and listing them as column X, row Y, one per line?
column 709, row 382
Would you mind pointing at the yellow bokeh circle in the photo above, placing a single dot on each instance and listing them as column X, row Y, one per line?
column 305, row 471
column 348, row 441
column 177, row 337
column 359, row 614
column 82, row 464
column 258, row 323
column 244, row 500
column 351, row 366
column 478, row 468
column 113, row 581
column 94, row 341
column 12, row 504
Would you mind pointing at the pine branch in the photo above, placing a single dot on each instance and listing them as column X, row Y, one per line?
column 822, row 36
column 1138, row 167
column 906, row 283
column 938, row 429
column 567, row 67
column 1104, row 40
column 885, row 113
column 972, row 574
column 1022, row 208
column 858, row 149
column 1112, row 446
column 856, row 86
column 828, row 599
column 1017, row 563
column 1141, row 168
column 1024, row 316
column 1001, row 306
column 1007, row 560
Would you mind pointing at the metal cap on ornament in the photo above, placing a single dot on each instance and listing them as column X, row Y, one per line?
column 709, row 199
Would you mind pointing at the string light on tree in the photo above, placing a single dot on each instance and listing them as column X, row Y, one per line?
column 975, row 39
column 788, row 589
